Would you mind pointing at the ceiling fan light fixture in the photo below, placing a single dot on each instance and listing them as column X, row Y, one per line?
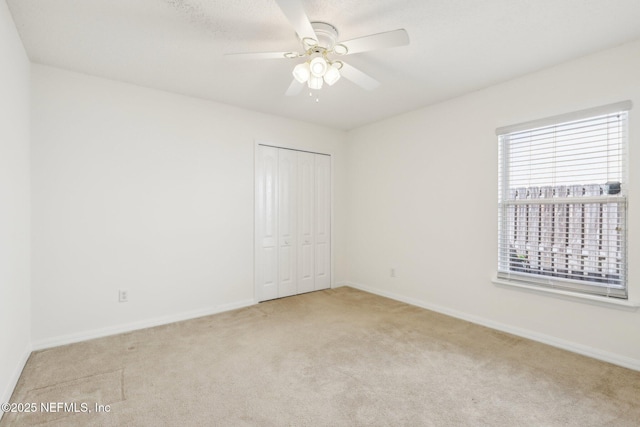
column 320, row 44
column 315, row 82
column 332, row 75
column 318, row 66
column 301, row 72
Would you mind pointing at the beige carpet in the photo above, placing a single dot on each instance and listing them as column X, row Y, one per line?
column 333, row 358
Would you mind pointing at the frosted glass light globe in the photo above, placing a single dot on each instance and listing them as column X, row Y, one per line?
column 301, row 72
column 318, row 66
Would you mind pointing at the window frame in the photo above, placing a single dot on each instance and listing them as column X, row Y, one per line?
column 506, row 273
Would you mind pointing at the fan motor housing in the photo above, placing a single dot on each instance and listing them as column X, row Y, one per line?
column 327, row 35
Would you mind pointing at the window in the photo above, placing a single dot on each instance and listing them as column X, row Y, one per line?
column 562, row 202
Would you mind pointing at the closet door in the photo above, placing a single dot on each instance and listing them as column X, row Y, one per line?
column 322, row 223
column 306, row 208
column 287, row 221
column 293, row 222
column 266, row 223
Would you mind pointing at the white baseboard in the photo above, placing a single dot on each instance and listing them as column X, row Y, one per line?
column 339, row 285
column 13, row 381
column 584, row 350
column 133, row 326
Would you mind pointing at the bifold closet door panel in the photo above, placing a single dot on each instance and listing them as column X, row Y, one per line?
column 306, row 208
column 287, row 222
column 293, row 222
column 267, row 224
column 322, row 226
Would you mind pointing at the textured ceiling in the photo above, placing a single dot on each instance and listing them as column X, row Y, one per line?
column 457, row 46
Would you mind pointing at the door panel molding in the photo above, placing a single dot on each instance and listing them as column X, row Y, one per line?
column 293, row 216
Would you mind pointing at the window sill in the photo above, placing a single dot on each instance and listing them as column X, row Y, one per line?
column 585, row 298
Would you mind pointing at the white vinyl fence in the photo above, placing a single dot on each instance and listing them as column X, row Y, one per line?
column 552, row 232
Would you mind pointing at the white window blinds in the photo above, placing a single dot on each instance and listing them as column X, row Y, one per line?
column 562, row 202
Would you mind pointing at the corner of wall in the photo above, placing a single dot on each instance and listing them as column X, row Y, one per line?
column 15, row 225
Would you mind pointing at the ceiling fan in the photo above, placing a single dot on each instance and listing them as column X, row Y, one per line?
column 319, row 47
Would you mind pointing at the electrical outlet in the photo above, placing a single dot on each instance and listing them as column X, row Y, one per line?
column 393, row 272
column 123, row 295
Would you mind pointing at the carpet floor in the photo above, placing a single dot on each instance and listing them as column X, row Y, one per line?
column 339, row 357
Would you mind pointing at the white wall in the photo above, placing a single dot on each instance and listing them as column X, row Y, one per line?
column 423, row 199
column 149, row 191
column 14, row 205
column 153, row 192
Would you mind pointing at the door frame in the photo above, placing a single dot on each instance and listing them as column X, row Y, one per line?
column 256, row 244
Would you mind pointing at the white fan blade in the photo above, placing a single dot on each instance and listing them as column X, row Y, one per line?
column 258, row 55
column 377, row 41
column 294, row 88
column 358, row 77
column 294, row 12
